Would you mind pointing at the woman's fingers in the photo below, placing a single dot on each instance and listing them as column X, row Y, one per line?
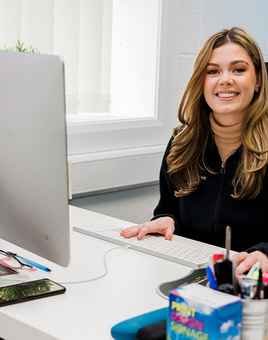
column 169, row 233
column 237, row 258
column 246, row 263
column 142, row 232
column 147, row 228
column 162, row 225
column 130, row 231
column 139, row 230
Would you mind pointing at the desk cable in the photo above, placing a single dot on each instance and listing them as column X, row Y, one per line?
column 101, row 276
column 14, row 279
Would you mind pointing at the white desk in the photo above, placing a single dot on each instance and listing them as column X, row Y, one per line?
column 88, row 311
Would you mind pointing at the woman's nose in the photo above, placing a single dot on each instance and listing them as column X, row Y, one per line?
column 226, row 78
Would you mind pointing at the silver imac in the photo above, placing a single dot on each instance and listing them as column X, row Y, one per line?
column 34, row 212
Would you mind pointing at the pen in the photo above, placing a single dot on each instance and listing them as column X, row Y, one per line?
column 34, row 264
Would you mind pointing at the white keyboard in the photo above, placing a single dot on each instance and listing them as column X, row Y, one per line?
column 181, row 250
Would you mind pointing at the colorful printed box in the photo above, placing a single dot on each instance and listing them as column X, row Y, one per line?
column 198, row 312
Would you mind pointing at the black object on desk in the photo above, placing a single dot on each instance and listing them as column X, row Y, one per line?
column 224, row 269
column 155, row 331
column 195, row 276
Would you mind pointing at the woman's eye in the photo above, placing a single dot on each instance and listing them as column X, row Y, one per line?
column 212, row 71
column 239, row 70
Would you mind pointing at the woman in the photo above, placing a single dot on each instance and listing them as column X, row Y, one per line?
column 214, row 169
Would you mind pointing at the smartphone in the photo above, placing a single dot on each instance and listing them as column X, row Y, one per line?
column 31, row 290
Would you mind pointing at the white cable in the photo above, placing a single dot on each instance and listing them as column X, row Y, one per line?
column 4, row 279
column 99, row 276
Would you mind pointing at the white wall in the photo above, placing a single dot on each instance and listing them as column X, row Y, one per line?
column 193, row 21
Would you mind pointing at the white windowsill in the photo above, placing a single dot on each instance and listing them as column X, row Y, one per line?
column 84, row 122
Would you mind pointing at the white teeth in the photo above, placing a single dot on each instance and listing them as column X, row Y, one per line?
column 227, row 94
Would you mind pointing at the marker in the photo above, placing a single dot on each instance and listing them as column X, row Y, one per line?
column 217, row 257
column 214, row 258
column 34, row 264
column 259, row 291
column 224, row 269
column 265, row 284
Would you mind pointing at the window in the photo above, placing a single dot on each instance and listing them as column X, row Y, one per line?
column 111, row 50
column 107, row 45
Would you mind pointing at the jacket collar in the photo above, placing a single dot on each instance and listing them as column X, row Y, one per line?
column 212, row 157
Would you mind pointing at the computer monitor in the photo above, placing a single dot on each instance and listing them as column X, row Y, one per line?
column 34, row 212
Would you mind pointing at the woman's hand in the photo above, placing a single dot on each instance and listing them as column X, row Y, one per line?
column 162, row 225
column 244, row 261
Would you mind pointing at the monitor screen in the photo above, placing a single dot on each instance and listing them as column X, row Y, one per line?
column 34, row 212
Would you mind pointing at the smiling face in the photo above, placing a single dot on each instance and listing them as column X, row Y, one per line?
column 230, row 83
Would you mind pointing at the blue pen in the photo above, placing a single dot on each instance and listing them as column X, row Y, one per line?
column 34, row 264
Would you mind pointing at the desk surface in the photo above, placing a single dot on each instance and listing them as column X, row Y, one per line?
column 87, row 311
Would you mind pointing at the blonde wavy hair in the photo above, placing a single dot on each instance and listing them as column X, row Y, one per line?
column 185, row 160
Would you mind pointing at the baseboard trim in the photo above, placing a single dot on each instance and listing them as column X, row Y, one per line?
column 111, row 190
column 118, row 170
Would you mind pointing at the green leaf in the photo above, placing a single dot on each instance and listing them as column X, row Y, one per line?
column 19, row 47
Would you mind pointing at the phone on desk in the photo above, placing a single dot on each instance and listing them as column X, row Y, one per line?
column 30, row 290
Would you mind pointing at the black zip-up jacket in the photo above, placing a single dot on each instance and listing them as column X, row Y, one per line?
column 204, row 214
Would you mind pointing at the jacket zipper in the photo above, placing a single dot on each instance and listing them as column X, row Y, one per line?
column 219, row 198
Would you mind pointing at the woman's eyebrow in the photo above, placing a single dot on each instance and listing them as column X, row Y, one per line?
column 234, row 62
column 212, row 64
column 239, row 62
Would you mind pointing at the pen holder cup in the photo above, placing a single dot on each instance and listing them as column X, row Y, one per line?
column 255, row 320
